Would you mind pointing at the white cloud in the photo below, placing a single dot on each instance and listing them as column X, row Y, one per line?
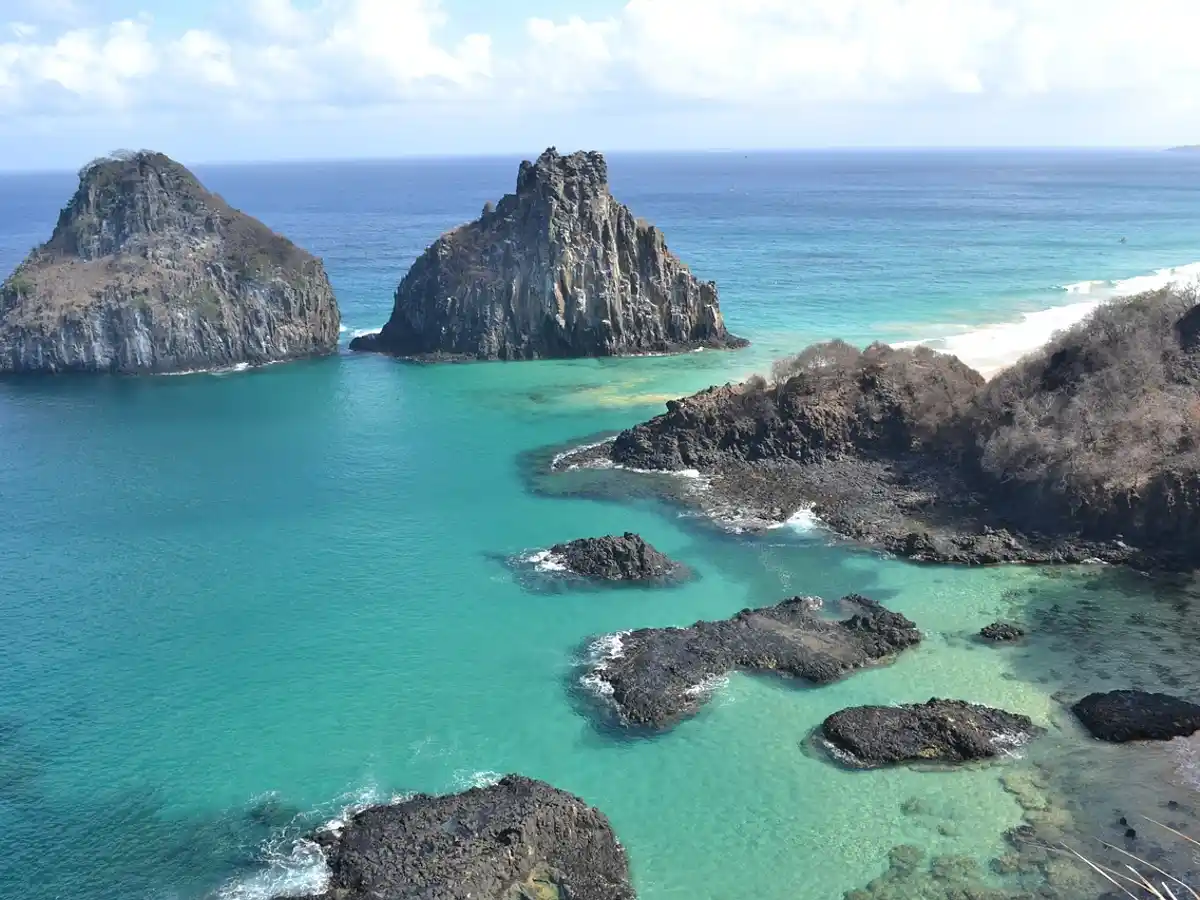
column 790, row 53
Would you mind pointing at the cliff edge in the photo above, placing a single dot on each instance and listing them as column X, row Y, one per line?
column 558, row 269
column 147, row 271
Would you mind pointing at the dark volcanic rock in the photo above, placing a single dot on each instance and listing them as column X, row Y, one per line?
column 938, row 731
column 1000, row 632
column 884, row 447
column 147, row 271
column 559, row 269
column 662, row 674
column 624, row 558
column 1120, row 716
column 518, row 840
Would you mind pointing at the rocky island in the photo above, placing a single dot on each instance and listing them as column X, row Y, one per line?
column 1123, row 716
column 149, row 272
column 940, row 731
column 661, row 675
column 626, row 557
column 557, row 269
column 1087, row 450
column 517, row 840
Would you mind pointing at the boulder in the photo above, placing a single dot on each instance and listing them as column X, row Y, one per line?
column 517, row 840
column 943, row 731
column 1121, row 716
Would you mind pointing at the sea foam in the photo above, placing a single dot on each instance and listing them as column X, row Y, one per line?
column 294, row 866
column 990, row 348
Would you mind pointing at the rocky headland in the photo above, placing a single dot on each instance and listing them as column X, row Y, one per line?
column 517, row 840
column 1088, row 450
column 1123, row 716
column 940, row 731
column 148, row 272
column 660, row 675
column 557, row 269
column 626, row 557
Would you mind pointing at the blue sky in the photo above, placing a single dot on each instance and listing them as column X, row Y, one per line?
column 285, row 79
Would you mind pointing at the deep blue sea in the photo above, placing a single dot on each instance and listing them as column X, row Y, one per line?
column 235, row 605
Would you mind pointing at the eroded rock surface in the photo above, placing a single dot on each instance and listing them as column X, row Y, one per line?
column 517, row 840
column 944, row 731
column 1121, row 716
column 148, row 271
column 557, row 269
column 663, row 674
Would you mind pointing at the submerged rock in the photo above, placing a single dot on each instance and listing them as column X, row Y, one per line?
column 1001, row 632
column 663, row 674
column 615, row 558
column 558, row 269
column 948, row 731
column 517, row 840
column 147, row 271
column 1121, row 716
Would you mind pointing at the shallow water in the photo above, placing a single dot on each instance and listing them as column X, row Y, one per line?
column 235, row 604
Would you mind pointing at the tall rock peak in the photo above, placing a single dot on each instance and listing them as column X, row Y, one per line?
column 148, row 271
column 557, row 269
column 122, row 198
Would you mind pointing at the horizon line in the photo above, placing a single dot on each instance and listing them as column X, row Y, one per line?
column 848, row 149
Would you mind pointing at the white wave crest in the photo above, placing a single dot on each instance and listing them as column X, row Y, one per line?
column 803, row 520
column 600, row 653
column 464, row 780
column 566, row 454
column 708, row 686
column 295, row 867
column 990, row 348
column 545, row 561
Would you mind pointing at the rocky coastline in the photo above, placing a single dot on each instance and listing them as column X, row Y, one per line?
column 558, row 269
column 662, row 675
column 519, row 839
column 149, row 272
column 912, row 453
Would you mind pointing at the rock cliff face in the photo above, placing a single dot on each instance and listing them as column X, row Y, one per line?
column 559, row 269
column 517, row 840
column 147, row 271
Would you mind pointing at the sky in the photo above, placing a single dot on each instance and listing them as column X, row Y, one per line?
column 240, row 80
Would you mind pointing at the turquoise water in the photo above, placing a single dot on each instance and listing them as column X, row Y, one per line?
column 235, row 604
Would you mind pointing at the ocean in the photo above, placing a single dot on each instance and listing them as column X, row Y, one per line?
column 237, row 605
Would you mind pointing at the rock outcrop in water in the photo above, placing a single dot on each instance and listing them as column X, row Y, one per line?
column 942, row 731
column 147, row 271
column 624, row 557
column 1122, row 716
column 517, row 840
column 1002, row 632
column 558, row 269
column 661, row 675
column 1087, row 450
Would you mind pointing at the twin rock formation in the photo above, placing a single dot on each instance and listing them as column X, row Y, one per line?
column 147, row 271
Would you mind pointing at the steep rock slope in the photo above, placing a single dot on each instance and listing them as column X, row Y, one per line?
column 147, row 271
column 559, row 269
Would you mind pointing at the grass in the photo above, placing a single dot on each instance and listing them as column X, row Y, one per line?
column 1135, row 882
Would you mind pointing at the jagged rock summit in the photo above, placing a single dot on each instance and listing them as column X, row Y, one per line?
column 558, row 269
column 147, row 271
